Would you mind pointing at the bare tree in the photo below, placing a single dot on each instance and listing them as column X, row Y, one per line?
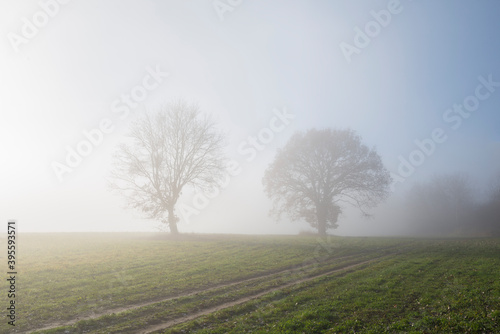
column 167, row 151
column 318, row 170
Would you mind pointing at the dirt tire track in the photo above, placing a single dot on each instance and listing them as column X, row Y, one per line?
column 224, row 285
column 189, row 294
column 213, row 309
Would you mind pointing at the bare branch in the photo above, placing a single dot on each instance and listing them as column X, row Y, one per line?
column 169, row 150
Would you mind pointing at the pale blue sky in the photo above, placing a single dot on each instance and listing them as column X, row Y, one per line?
column 263, row 55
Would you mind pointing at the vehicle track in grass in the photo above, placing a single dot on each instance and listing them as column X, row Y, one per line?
column 193, row 316
column 192, row 293
column 291, row 270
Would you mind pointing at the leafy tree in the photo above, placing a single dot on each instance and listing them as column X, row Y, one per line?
column 319, row 170
column 167, row 151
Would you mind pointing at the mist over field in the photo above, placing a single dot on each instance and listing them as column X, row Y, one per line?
column 236, row 166
column 424, row 95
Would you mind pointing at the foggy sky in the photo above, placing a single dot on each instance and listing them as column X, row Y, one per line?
column 261, row 59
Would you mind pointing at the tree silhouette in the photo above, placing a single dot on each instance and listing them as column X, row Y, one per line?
column 319, row 170
column 167, row 151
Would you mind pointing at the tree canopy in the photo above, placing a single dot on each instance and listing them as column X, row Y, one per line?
column 174, row 148
column 320, row 170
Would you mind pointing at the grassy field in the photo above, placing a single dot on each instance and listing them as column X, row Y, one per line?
column 150, row 283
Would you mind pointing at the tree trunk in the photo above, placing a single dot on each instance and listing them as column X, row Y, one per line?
column 173, row 227
column 321, row 214
column 322, row 228
column 172, row 221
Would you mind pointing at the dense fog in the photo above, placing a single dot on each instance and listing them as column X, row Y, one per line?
column 423, row 94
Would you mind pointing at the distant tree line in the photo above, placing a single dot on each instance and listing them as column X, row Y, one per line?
column 489, row 212
column 448, row 205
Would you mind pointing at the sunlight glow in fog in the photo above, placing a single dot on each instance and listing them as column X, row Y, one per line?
column 263, row 56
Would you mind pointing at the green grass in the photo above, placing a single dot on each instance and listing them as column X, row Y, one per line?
column 434, row 286
column 439, row 287
column 65, row 276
